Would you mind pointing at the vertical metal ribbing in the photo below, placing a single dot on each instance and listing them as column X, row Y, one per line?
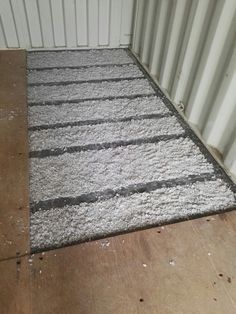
column 192, row 57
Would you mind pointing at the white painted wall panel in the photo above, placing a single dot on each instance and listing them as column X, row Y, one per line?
column 93, row 22
column 103, row 26
column 189, row 48
column 58, row 22
column 115, row 21
column 3, row 42
column 70, row 23
column 45, row 13
column 50, row 24
column 8, row 24
column 126, row 21
column 31, row 7
column 200, row 13
column 147, row 33
column 159, row 32
column 19, row 12
column 177, row 22
column 82, row 22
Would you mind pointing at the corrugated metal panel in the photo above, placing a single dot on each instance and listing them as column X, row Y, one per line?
column 189, row 47
column 39, row 24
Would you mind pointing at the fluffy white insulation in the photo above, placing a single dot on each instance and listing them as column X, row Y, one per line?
column 84, row 172
column 103, row 89
column 77, row 58
column 96, row 109
column 81, row 222
column 106, row 132
column 86, row 74
column 75, row 173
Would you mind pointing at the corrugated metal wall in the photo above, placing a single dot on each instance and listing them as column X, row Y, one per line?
column 65, row 23
column 189, row 47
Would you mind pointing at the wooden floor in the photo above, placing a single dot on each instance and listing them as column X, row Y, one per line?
column 188, row 267
column 14, row 209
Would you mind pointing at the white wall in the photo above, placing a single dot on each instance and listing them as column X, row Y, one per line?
column 189, row 47
column 49, row 24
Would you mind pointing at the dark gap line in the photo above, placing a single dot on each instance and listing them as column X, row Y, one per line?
column 77, row 49
column 65, row 83
column 81, row 66
column 15, row 257
column 79, row 100
column 98, row 121
column 89, row 147
column 123, row 192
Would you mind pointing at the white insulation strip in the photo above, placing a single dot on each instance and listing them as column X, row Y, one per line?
column 96, row 109
column 106, row 132
column 86, row 74
column 81, row 222
column 40, row 94
column 77, row 58
column 84, row 172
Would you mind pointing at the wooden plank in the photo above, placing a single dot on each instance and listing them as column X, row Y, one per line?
column 14, row 211
column 218, row 237
column 160, row 270
column 15, row 286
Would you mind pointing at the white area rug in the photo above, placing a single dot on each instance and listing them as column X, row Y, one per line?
column 109, row 153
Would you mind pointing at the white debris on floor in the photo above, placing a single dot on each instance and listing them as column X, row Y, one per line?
column 111, row 156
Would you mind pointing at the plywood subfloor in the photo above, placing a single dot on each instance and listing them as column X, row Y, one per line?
column 188, row 267
column 14, row 201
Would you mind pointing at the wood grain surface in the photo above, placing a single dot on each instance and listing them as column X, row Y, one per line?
column 14, row 211
column 175, row 269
